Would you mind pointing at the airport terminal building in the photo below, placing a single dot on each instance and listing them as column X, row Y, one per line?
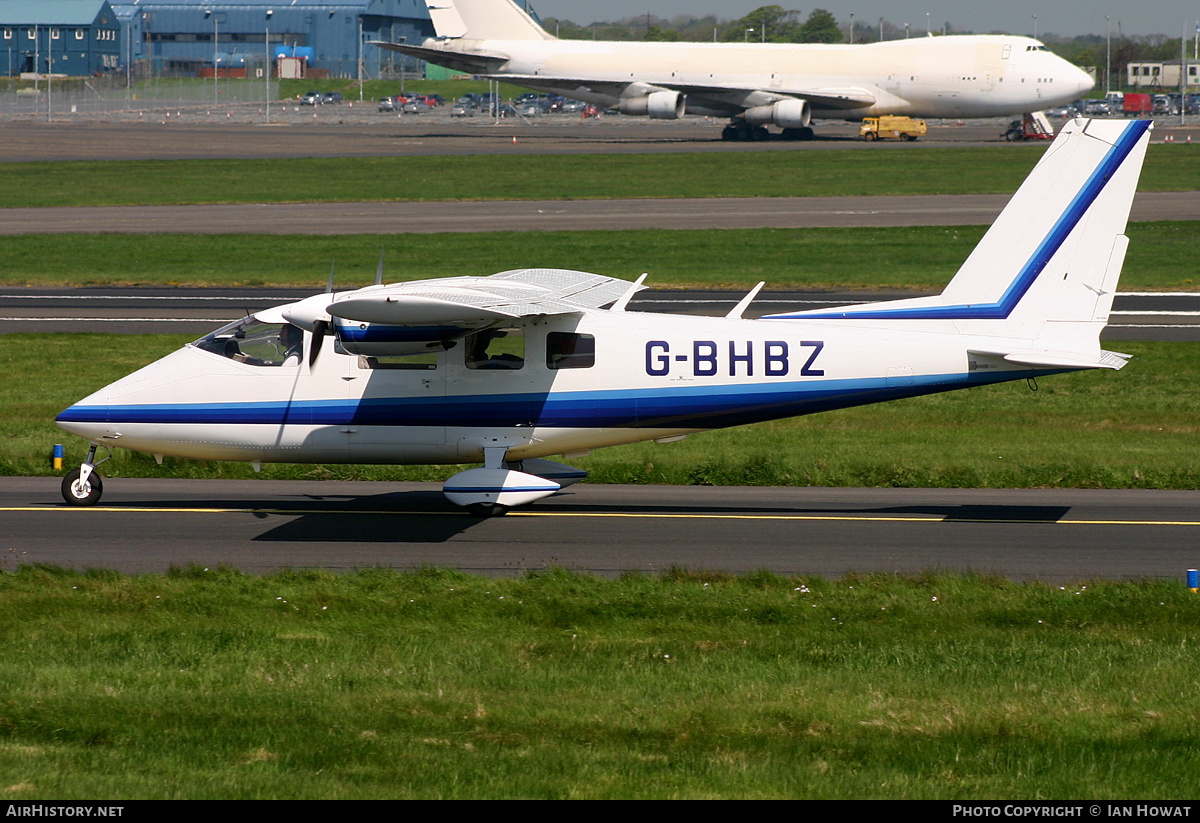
column 183, row 37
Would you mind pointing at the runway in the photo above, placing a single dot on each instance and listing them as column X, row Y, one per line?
column 550, row 215
column 1136, row 315
column 261, row 526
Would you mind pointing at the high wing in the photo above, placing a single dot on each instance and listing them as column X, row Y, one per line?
column 432, row 315
column 507, row 295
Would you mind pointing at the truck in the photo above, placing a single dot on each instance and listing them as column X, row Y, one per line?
column 1138, row 105
column 877, row 128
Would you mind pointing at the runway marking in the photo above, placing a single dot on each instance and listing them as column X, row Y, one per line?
column 635, row 515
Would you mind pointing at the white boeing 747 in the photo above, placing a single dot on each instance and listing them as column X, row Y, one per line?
column 510, row 369
column 754, row 84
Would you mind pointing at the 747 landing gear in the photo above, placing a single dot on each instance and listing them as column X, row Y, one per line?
column 742, row 131
column 83, row 486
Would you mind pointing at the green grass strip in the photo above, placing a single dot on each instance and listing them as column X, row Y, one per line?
column 1136, row 428
column 972, row 170
column 208, row 683
column 1161, row 256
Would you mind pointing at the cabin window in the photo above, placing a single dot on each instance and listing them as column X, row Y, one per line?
column 256, row 343
column 495, row 349
column 567, row 350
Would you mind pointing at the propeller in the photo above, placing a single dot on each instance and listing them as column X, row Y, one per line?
column 319, row 330
column 379, row 271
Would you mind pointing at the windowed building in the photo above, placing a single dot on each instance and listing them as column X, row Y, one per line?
column 70, row 37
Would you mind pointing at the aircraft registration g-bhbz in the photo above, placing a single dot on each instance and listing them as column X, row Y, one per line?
column 754, row 84
column 510, row 369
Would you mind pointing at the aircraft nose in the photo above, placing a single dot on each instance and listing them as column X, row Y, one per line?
column 1083, row 82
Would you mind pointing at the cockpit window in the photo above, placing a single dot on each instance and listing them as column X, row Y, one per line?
column 255, row 343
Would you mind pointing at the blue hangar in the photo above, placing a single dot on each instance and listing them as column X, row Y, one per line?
column 182, row 37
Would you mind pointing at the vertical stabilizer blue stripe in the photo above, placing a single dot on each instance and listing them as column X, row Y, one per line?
column 1051, row 243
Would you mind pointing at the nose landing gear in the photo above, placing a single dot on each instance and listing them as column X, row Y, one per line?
column 83, row 486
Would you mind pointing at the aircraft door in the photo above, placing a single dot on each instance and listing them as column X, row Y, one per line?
column 399, row 404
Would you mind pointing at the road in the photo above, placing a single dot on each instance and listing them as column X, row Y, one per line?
column 261, row 526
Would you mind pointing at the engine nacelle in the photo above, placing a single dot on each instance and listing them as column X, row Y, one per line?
column 381, row 340
column 787, row 114
column 659, row 105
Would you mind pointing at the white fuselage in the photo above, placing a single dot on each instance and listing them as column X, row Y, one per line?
column 953, row 76
column 653, row 376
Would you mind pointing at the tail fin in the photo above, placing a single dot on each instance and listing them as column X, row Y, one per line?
column 1047, row 268
column 483, row 20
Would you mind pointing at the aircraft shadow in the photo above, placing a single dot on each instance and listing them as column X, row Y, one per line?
column 426, row 517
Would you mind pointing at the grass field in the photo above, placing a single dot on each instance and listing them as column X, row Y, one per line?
column 1136, row 428
column 207, row 683
column 968, row 170
column 1162, row 256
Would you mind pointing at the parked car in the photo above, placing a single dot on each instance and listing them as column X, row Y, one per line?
column 463, row 110
column 312, row 98
column 1096, row 107
column 331, row 97
column 1063, row 112
column 387, row 104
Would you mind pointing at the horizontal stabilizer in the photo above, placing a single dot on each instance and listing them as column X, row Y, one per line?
column 1059, row 360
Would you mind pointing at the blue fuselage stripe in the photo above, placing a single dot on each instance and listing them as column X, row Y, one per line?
column 693, row 407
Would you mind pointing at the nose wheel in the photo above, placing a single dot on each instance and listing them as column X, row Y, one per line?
column 83, row 486
column 79, row 492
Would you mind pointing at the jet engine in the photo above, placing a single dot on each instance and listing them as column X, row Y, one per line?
column 789, row 113
column 660, row 105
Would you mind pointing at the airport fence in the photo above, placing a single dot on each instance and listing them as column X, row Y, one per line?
column 100, row 96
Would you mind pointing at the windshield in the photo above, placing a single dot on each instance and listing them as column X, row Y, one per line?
column 256, row 343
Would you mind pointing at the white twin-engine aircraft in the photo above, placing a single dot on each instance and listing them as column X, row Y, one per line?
column 754, row 84
column 509, row 369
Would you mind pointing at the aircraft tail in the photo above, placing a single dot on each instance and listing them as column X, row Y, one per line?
column 483, row 20
column 1046, row 271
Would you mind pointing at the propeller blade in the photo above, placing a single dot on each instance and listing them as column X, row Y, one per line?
column 379, row 271
column 320, row 328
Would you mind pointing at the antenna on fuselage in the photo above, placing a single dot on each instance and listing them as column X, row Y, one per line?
column 624, row 299
column 737, row 311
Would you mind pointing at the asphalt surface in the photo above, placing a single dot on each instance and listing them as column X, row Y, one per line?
column 354, row 130
column 550, row 215
column 262, row 526
column 1136, row 316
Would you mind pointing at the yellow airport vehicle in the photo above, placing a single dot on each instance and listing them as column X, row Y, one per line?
column 877, row 128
